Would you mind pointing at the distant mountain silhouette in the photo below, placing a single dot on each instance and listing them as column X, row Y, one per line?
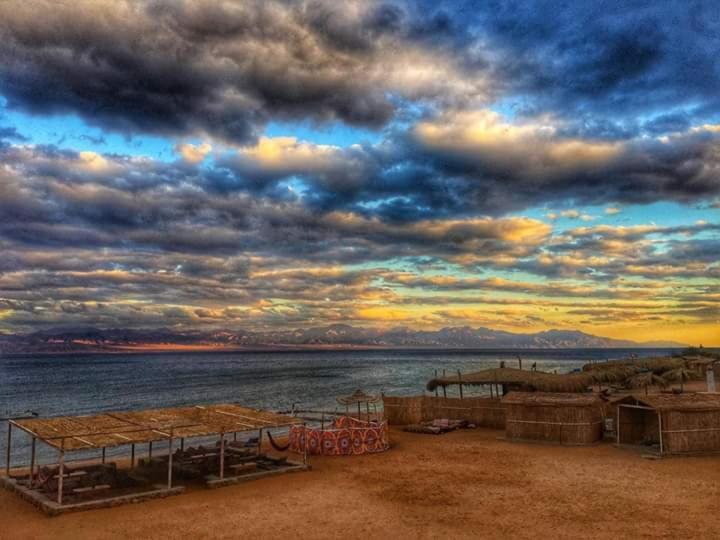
column 336, row 335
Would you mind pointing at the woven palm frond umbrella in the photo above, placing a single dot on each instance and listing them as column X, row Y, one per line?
column 681, row 375
column 645, row 379
column 359, row 397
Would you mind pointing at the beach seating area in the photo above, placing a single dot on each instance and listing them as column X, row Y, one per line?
column 165, row 469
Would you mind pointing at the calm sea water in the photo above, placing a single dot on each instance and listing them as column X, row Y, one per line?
column 85, row 384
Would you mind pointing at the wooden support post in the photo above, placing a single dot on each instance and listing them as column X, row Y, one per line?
column 259, row 444
column 460, row 385
column 103, row 455
column 132, row 456
column 520, row 361
column 9, row 446
column 182, row 444
column 150, row 451
column 367, row 407
column 660, row 431
column 436, row 390
column 170, row 459
column 61, row 471
column 305, row 444
column 235, row 436
column 358, row 410
column 491, row 392
column 617, row 427
column 32, row 462
column 222, row 456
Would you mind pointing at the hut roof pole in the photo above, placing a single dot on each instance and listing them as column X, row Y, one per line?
column 660, row 430
column 170, row 458
column 9, row 445
column 61, row 471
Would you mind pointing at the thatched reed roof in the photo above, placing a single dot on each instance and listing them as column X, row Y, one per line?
column 358, row 396
column 624, row 368
column 121, row 428
column 551, row 399
column 681, row 402
column 526, row 379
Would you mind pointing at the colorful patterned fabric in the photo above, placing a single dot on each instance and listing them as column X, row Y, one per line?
column 345, row 437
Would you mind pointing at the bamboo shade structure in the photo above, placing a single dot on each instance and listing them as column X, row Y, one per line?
column 120, row 428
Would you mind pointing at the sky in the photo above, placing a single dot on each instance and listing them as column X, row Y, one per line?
column 520, row 166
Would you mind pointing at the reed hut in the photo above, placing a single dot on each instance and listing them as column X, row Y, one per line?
column 670, row 424
column 561, row 418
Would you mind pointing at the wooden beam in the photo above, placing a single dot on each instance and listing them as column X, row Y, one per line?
column 9, row 446
column 132, row 456
column 103, row 455
column 32, row 462
column 170, row 458
column 660, row 430
column 222, row 455
column 61, row 471
column 305, row 445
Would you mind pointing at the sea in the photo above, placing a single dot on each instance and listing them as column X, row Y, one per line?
column 75, row 384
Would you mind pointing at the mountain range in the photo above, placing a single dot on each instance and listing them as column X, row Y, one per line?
column 335, row 336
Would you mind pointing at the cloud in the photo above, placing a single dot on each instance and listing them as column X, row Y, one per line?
column 194, row 153
column 224, row 69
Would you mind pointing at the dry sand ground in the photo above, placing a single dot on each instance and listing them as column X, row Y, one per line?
column 460, row 485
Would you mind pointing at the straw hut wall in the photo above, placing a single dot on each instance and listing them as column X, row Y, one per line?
column 686, row 423
column 403, row 411
column 562, row 418
column 483, row 412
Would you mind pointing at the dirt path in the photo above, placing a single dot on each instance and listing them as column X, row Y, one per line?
column 461, row 485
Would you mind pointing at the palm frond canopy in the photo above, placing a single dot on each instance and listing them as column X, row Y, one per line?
column 645, row 379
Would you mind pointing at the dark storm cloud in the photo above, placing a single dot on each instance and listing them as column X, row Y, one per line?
column 608, row 58
column 220, row 68
column 226, row 68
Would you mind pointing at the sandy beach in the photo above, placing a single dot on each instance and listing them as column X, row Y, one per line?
column 465, row 484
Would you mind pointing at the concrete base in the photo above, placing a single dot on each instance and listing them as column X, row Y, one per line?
column 52, row 508
column 215, row 481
